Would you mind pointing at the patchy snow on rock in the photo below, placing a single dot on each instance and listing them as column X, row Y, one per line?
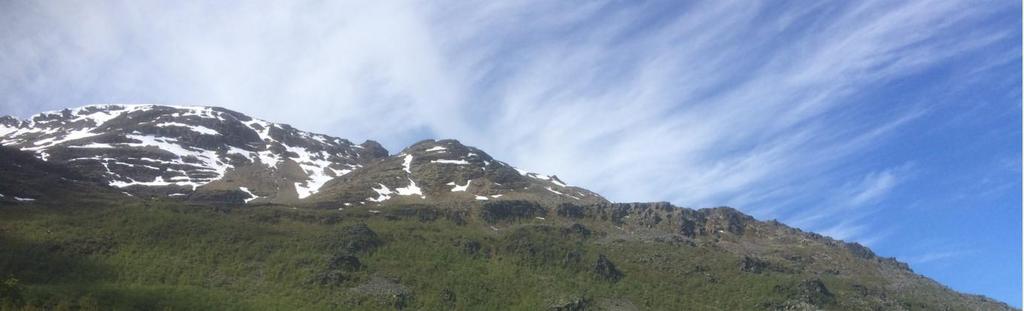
column 268, row 158
column 411, row 189
column 481, row 198
column 547, row 178
column 4, row 130
column 20, row 199
column 496, row 196
column 242, row 152
column 93, row 146
column 407, row 164
column 436, row 148
column 158, row 181
column 251, row 195
column 316, row 166
column 262, row 128
column 383, row 193
column 559, row 193
column 458, row 188
column 210, row 160
column 195, row 128
column 458, row 162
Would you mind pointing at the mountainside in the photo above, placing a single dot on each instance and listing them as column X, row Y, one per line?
column 153, row 207
column 217, row 155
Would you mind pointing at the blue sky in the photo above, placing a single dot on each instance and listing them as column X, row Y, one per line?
column 896, row 124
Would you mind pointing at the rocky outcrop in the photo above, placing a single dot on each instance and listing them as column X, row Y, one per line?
column 605, row 269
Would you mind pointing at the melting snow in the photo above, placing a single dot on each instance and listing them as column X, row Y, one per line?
column 411, row 189
column 541, row 177
column 481, row 198
column 436, row 148
column 407, row 164
column 559, row 193
column 93, row 146
column 459, row 162
column 4, row 130
column 264, row 130
column 457, row 188
column 24, row 199
column 315, row 165
column 251, row 195
column 158, row 181
column 382, row 194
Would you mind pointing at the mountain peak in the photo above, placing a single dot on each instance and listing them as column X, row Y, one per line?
column 216, row 154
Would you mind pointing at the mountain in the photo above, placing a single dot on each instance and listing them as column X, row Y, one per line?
column 156, row 207
column 218, row 155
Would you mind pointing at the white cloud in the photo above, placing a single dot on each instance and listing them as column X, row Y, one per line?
column 709, row 104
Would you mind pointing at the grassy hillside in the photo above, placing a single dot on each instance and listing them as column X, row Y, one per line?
column 165, row 255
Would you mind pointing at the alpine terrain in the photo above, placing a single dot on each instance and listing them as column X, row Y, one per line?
column 143, row 207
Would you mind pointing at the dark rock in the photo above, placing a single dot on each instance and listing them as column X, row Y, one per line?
column 360, row 239
column 812, row 292
column 569, row 210
column 577, row 230
column 605, row 269
column 493, row 212
column 753, row 265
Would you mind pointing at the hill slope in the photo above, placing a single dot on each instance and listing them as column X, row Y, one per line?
column 438, row 226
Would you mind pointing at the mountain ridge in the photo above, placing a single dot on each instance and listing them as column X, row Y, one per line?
column 216, row 154
column 518, row 215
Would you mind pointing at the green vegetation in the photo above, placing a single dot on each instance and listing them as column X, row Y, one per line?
column 165, row 255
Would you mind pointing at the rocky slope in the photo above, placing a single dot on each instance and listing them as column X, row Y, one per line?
column 208, row 154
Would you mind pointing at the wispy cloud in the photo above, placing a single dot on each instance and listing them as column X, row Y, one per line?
column 707, row 103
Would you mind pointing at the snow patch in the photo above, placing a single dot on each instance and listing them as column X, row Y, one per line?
column 315, row 165
column 458, row 162
column 458, row 188
column 252, row 196
column 383, row 193
column 547, row 178
column 407, row 164
column 411, row 189
column 559, row 193
column 436, row 148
